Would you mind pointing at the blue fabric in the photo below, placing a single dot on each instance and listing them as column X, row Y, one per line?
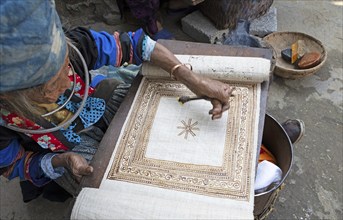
column 123, row 73
column 163, row 34
column 70, row 134
column 32, row 43
column 8, row 154
column 37, row 175
column 148, row 47
column 48, row 169
column 90, row 114
column 18, row 170
column 107, row 48
column 96, row 80
column 135, row 42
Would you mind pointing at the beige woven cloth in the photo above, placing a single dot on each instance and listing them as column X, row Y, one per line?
column 173, row 162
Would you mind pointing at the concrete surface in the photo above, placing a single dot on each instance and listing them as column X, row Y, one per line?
column 314, row 187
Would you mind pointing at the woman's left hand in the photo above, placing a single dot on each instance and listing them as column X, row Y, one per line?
column 74, row 162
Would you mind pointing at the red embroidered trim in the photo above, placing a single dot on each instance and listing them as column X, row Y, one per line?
column 131, row 54
column 47, row 140
column 28, row 159
column 119, row 55
column 80, row 86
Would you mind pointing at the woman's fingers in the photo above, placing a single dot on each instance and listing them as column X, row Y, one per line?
column 226, row 106
column 78, row 165
column 218, row 90
column 85, row 170
column 218, row 108
column 231, row 90
column 227, row 92
column 216, row 111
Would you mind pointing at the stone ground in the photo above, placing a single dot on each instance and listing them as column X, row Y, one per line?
column 314, row 187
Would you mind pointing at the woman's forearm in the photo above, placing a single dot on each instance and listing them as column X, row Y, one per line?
column 165, row 59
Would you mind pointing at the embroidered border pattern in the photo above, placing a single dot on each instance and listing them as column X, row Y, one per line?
column 230, row 180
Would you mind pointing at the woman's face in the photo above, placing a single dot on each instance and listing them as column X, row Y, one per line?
column 55, row 86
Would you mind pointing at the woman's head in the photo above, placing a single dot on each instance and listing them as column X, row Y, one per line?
column 33, row 52
column 52, row 89
column 23, row 101
column 32, row 43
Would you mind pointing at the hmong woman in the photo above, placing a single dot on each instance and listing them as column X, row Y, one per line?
column 44, row 83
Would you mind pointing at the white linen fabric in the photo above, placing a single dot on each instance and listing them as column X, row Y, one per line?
column 121, row 200
column 173, row 162
column 186, row 133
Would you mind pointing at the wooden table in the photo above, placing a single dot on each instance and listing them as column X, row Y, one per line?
column 108, row 143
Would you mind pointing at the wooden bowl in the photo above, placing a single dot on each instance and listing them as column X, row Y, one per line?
column 282, row 40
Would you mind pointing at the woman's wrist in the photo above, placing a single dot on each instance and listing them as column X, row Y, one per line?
column 177, row 66
column 181, row 72
column 58, row 160
column 193, row 81
column 51, row 165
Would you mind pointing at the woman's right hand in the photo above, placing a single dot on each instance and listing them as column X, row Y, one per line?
column 74, row 162
column 217, row 92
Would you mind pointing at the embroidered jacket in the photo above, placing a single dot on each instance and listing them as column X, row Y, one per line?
column 22, row 155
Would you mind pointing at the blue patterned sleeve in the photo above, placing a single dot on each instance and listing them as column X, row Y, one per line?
column 16, row 162
column 122, row 47
column 48, row 169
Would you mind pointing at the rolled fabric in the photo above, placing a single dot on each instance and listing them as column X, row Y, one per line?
column 32, row 43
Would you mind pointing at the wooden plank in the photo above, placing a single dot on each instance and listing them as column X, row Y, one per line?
column 192, row 48
column 103, row 155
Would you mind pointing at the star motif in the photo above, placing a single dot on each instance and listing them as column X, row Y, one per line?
column 188, row 128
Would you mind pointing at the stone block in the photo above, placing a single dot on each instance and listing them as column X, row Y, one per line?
column 264, row 25
column 83, row 13
column 199, row 27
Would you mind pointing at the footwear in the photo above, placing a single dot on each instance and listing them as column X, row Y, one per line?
column 295, row 129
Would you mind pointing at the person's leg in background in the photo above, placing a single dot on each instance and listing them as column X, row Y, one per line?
column 148, row 12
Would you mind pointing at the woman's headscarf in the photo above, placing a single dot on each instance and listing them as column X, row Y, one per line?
column 32, row 43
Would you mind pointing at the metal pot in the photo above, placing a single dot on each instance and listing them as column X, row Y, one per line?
column 278, row 143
